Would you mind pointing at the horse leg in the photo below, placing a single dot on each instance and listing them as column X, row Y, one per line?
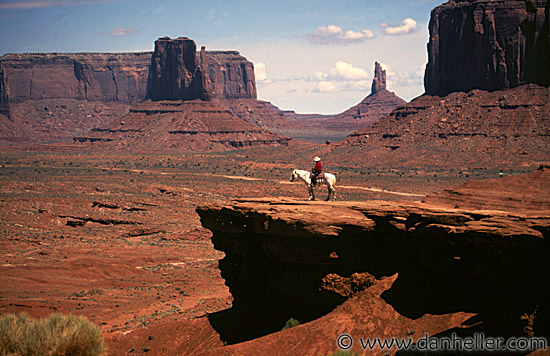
column 331, row 192
column 311, row 193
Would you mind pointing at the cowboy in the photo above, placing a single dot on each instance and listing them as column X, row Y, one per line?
column 316, row 170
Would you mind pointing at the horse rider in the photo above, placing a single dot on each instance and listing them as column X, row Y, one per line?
column 316, row 170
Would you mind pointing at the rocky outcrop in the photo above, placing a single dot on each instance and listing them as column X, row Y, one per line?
column 379, row 81
column 475, row 129
column 176, row 73
column 279, row 254
column 180, row 115
column 489, row 45
column 59, row 95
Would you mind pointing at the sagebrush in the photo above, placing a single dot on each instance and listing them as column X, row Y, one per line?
column 57, row 335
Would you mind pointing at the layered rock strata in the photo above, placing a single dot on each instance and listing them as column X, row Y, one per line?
column 232, row 75
column 106, row 77
column 278, row 254
column 489, row 45
column 176, row 126
column 479, row 128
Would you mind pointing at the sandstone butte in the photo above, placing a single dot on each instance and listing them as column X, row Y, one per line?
column 382, row 269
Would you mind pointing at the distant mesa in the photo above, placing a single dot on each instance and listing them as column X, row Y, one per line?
column 489, row 45
column 56, row 96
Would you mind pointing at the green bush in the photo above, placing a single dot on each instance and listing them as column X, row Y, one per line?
column 290, row 323
column 57, row 335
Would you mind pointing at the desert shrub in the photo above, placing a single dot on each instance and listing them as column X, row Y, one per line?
column 57, row 335
column 290, row 323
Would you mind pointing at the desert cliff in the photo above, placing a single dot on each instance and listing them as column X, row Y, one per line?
column 283, row 258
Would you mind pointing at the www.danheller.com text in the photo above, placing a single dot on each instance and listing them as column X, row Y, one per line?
column 476, row 342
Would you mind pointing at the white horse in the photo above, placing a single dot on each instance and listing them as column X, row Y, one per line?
column 305, row 176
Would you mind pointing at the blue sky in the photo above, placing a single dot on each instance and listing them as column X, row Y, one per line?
column 310, row 56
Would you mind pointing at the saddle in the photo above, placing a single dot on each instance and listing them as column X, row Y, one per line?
column 317, row 181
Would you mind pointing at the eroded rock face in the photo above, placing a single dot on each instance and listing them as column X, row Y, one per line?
column 490, row 45
column 176, row 74
column 178, row 126
column 4, row 99
column 112, row 76
column 379, row 81
column 232, row 75
column 278, row 254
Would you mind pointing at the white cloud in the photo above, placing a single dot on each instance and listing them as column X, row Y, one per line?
column 342, row 77
column 407, row 26
column 341, row 71
column 33, row 4
column 123, row 31
column 346, row 71
column 260, row 73
column 332, row 34
column 326, row 87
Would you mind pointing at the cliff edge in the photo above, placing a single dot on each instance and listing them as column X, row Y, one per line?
column 301, row 259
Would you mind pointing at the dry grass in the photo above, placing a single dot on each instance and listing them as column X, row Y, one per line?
column 57, row 335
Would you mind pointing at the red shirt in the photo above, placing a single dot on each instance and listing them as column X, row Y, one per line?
column 318, row 166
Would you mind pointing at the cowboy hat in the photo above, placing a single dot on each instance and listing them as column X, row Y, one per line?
column 316, row 159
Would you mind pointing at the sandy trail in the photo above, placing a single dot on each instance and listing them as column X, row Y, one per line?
column 371, row 189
